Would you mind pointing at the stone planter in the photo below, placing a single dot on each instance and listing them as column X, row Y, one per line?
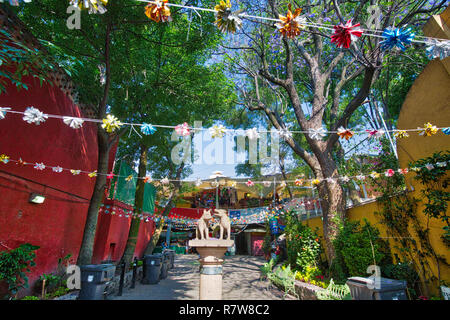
column 306, row 291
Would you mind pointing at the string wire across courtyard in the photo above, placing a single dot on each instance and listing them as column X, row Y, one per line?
column 232, row 157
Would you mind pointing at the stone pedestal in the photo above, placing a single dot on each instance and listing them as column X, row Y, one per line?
column 211, row 254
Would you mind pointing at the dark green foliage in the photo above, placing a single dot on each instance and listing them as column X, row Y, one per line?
column 402, row 271
column 357, row 247
column 14, row 265
column 436, row 182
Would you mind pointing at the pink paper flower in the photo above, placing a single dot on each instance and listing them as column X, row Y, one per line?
column 250, row 183
column 182, row 129
column 403, row 171
column 389, row 173
column 344, row 34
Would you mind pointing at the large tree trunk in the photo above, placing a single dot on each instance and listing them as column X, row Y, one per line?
column 138, row 207
column 332, row 201
column 87, row 244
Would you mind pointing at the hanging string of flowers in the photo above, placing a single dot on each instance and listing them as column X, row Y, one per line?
column 111, row 124
column 292, row 23
column 5, row 159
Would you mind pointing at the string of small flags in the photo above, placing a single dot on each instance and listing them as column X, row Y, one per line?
column 292, row 24
column 146, row 217
column 5, row 159
column 111, row 124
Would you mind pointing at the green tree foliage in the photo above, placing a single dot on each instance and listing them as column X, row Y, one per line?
column 15, row 264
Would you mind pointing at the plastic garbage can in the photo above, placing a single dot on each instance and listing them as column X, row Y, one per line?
column 171, row 254
column 165, row 264
column 152, row 268
column 94, row 279
column 383, row 289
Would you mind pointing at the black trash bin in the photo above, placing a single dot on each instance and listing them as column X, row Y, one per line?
column 165, row 264
column 384, row 289
column 152, row 268
column 94, row 279
column 172, row 257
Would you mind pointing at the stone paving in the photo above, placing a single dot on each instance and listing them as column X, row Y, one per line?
column 241, row 281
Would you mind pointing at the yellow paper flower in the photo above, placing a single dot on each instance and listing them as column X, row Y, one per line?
column 226, row 20
column 428, row 130
column 111, row 123
column 374, row 174
column 92, row 174
column 315, row 182
column 129, row 178
column 158, row 11
column 75, row 172
column 401, row 134
column 291, row 24
column 4, row 158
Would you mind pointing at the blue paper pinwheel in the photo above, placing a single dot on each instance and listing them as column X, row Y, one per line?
column 396, row 37
column 147, row 129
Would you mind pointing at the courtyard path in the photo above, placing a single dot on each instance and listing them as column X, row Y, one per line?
column 241, row 281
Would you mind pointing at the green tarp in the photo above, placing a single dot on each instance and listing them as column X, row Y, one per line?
column 124, row 190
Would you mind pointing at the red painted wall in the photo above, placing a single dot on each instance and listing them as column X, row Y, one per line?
column 112, row 233
column 57, row 224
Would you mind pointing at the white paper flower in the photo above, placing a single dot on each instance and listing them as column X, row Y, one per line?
column 317, row 134
column 252, row 134
column 57, row 169
column 330, row 180
column 285, row 133
column 39, row 166
column 345, row 179
column 33, row 115
column 72, row 122
column 217, row 131
column 198, row 183
column 441, row 164
column 361, row 177
column 3, row 111
column 165, row 181
column 267, row 183
column 429, row 166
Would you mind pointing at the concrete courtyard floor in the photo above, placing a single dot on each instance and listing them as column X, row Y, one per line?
column 241, row 281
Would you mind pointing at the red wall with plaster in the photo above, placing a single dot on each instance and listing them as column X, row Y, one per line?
column 57, row 225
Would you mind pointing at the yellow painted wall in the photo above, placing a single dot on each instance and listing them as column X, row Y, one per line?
column 427, row 101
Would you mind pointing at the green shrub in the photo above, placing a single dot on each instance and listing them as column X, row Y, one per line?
column 30, row 298
column 14, row 265
column 303, row 245
column 357, row 247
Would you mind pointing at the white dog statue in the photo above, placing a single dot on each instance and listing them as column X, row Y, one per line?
column 224, row 224
column 202, row 231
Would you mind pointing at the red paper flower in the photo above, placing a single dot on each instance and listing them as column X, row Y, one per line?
column 344, row 34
